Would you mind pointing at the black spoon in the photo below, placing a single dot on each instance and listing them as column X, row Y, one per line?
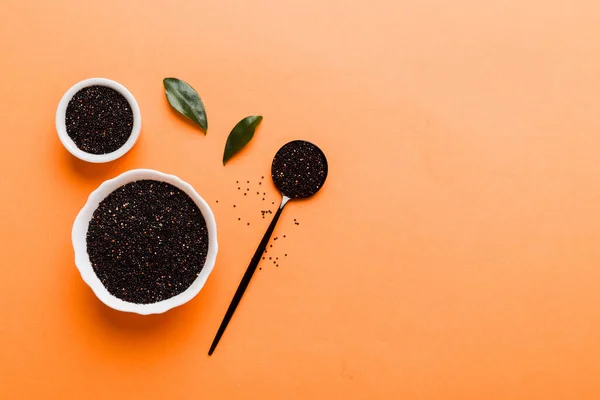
column 299, row 170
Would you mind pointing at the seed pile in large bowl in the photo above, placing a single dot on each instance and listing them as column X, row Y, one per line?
column 99, row 119
column 147, row 241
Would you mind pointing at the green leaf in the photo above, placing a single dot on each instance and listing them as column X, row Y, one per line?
column 240, row 135
column 186, row 100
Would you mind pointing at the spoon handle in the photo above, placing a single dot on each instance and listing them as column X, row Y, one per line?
column 247, row 276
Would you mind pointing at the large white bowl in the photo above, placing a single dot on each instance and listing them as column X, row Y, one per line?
column 61, row 127
column 82, row 260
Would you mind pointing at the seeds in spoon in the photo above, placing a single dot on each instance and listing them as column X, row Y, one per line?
column 299, row 169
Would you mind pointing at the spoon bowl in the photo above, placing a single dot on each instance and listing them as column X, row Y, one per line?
column 299, row 169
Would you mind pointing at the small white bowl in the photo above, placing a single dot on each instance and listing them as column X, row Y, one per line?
column 66, row 140
column 82, row 260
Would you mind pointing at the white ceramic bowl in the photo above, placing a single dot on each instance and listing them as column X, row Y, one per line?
column 61, row 127
column 82, row 260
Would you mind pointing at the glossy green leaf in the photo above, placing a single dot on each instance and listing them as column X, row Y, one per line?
column 241, row 134
column 186, row 100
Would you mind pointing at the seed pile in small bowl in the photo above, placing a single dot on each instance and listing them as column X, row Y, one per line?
column 99, row 119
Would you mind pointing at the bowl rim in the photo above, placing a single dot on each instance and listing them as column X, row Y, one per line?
column 82, row 261
column 70, row 145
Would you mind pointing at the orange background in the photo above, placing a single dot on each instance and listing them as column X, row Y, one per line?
column 452, row 253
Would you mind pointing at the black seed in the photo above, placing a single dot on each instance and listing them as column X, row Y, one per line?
column 147, row 241
column 99, row 120
column 299, row 169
